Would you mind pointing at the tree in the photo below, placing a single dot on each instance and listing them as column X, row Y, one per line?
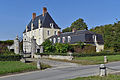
column 48, row 47
column 68, row 29
column 78, row 25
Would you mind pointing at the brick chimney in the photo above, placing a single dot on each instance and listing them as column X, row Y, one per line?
column 44, row 10
column 33, row 16
column 58, row 34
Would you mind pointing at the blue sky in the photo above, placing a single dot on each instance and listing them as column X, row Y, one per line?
column 16, row 14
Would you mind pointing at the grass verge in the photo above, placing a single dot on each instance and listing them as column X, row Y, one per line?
column 96, row 59
column 10, row 67
column 109, row 77
column 92, row 60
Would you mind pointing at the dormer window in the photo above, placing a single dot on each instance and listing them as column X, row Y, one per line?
column 58, row 39
column 54, row 40
column 51, row 25
column 63, row 39
column 69, row 38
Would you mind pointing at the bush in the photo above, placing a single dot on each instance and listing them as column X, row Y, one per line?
column 93, row 54
column 62, row 48
column 10, row 57
column 48, row 47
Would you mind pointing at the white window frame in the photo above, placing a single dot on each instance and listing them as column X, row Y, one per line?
column 54, row 40
column 51, row 25
column 58, row 39
column 69, row 38
column 50, row 39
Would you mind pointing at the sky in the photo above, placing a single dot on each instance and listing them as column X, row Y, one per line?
column 16, row 14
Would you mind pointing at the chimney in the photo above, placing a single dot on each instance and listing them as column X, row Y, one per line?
column 74, row 30
column 58, row 34
column 44, row 10
column 33, row 16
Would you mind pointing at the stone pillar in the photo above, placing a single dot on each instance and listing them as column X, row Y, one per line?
column 103, row 71
column 33, row 47
column 105, row 59
column 16, row 46
column 38, row 65
column 41, row 49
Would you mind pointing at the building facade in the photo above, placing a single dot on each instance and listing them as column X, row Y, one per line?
column 40, row 28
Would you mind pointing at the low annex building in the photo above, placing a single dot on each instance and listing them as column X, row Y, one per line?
column 75, row 36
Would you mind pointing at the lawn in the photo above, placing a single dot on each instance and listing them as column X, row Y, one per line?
column 96, row 59
column 92, row 60
column 109, row 77
column 17, row 66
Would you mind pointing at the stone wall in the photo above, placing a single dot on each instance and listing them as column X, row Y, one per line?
column 54, row 57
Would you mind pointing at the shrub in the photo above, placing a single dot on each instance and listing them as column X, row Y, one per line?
column 62, row 48
column 48, row 47
column 10, row 57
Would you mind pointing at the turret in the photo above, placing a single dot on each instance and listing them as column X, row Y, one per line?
column 16, row 46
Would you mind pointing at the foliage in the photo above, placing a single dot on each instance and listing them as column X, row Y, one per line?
column 4, row 44
column 10, row 57
column 62, row 48
column 80, row 44
column 110, row 33
column 78, row 25
column 68, row 29
column 48, row 47
column 8, row 42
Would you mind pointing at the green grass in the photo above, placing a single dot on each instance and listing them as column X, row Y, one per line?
column 8, row 67
column 96, row 59
column 15, row 66
column 109, row 77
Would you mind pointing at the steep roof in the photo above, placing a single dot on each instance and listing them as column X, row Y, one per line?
column 81, row 35
column 45, row 22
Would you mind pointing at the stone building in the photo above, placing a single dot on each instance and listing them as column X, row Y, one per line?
column 15, row 47
column 75, row 36
column 40, row 28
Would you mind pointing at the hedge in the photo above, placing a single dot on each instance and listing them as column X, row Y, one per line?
column 10, row 57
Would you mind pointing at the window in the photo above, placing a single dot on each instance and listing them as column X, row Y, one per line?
column 51, row 40
column 58, row 39
column 55, row 33
column 63, row 40
column 69, row 38
column 48, row 32
column 51, row 25
column 54, row 40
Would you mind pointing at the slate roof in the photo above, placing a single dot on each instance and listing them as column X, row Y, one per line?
column 45, row 22
column 81, row 35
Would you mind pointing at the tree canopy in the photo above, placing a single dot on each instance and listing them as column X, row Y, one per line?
column 78, row 25
column 111, row 35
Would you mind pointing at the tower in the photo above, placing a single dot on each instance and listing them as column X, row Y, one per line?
column 16, row 46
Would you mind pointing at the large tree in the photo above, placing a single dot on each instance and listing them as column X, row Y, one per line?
column 78, row 25
column 111, row 35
